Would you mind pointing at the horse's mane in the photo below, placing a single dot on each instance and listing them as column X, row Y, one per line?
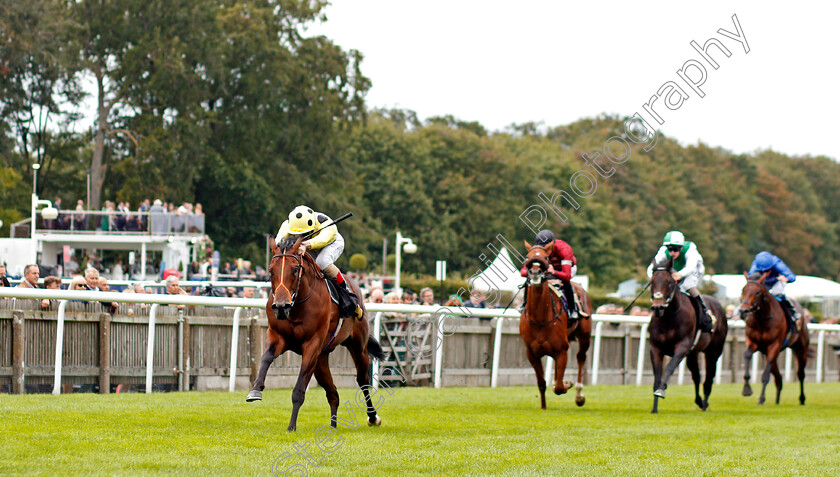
column 755, row 276
column 287, row 243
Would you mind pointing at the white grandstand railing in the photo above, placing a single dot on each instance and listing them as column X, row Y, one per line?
column 438, row 313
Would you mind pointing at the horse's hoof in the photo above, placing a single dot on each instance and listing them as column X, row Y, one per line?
column 559, row 391
column 654, row 411
column 580, row 401
column 747, row 392
column 704, row 406
column 802, row 401
column 659, row 393
column 377, row 422
column 255, row 395
column 761, row 402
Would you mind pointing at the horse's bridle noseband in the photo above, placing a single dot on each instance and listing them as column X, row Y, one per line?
column 757, row 306
column 292, row 294
column 673, row 291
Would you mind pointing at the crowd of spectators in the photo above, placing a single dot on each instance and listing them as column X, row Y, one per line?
column 156, row 216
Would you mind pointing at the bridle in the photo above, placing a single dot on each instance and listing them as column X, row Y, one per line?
column 757, row 306
column 673, row 290
column 536, row 279
column 300, row 262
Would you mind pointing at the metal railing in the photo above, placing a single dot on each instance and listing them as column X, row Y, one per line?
column 440, row 314
column 114, row 222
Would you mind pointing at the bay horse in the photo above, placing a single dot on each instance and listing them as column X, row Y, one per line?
column 767, row 332
column 302, row 318
column 673, row 329
column 545, row 329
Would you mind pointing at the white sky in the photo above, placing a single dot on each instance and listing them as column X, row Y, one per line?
column 503, row 62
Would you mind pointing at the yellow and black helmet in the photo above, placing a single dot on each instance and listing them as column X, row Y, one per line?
column 301, row 220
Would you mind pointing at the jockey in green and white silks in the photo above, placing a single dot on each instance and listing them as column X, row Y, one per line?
column 688, row 270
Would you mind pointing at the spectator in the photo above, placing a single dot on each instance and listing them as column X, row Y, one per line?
column 92, row 282
column 248, row 292
column 78, row 283
column 31, row 273
column 377, row 296
column 50, row 283
column 730, row 312
column 118, row 272
column 172, row 288
column 476, row 300
column 4, row 282
column 427, row 296
column 79, row 220
column 407, row 297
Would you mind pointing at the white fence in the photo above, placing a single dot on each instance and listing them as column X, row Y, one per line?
column 439, row 314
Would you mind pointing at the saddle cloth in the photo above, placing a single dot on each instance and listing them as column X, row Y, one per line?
column 557, row 288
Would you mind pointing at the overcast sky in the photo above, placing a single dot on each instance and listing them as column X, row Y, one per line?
column 502, row 62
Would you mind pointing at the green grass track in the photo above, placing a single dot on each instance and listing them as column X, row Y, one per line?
column 452, row 431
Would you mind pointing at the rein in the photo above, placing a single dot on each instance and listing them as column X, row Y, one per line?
column 300, row 262
column 757, row 306
column 553, row 306
column 673, row 291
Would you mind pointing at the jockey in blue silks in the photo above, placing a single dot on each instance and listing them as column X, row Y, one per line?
column 779, row 276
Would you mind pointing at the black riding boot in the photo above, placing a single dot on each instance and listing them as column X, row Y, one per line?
column 347, row 300
column 706, row 319
column 790, row 312
column 569, row 293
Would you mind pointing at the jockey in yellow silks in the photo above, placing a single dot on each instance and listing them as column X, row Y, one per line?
column 325, row 247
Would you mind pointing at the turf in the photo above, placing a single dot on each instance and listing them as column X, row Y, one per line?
column 453, row 431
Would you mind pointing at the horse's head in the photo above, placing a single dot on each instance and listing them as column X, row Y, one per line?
column 536, row 262
column 753, row 293
column 286, row 270
column 662, row 287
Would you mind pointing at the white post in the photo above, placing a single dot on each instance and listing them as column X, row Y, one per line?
column 719, row 370
column 640, row 365
column 142, row 261
column 681, row 372
column 397, row 264
column 34, row 249
column 497, row 349
column 755, row 358
column 150, row 349
column 439, row 352
column 596, row 352
column 377, row 330
column 59, row 347
column 234, row 349
column 788, row 363
column 548, row 372
column 820, row 355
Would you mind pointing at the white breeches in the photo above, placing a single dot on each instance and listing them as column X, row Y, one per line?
column 329, row 254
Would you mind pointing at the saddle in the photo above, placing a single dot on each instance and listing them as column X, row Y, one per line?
column 557, row 288
column 345, row 301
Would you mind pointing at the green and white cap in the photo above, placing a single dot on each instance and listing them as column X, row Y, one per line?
column 674, row 237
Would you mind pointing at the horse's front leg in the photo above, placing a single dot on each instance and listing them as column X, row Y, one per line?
column 656, row 364
column 748, row 356
column 275, row 346
column 772, row 356
column 694, row 367
column 538, row 368
column 679, row 354
column 561, row 358
column 311, row 351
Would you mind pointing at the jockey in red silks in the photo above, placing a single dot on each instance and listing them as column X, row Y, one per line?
column 562, row 265
column 325, row 247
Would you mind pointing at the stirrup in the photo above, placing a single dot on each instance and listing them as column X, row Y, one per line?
column 359, row 314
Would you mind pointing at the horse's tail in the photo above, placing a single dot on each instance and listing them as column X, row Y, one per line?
column 375, row 349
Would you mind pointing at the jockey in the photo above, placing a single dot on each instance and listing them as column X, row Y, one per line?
column 689, row 271
column 325, row 247
column 779, row 276
column 562, row 265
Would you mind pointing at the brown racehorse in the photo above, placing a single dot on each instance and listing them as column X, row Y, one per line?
column 673, row 329
column 545, row 328
column 302, row 318
column 767, row 332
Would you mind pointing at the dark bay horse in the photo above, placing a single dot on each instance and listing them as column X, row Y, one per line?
column 767, row 332
column 302, row 318
column 545, row 329
column 673, row 329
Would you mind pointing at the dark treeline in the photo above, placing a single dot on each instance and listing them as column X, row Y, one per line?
column 230, row 104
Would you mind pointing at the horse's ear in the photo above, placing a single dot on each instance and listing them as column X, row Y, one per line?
column 527, row 245
column 273, row 245
column 297, row 242
column 746, row 276
column 764, row 276
column 670, row 264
